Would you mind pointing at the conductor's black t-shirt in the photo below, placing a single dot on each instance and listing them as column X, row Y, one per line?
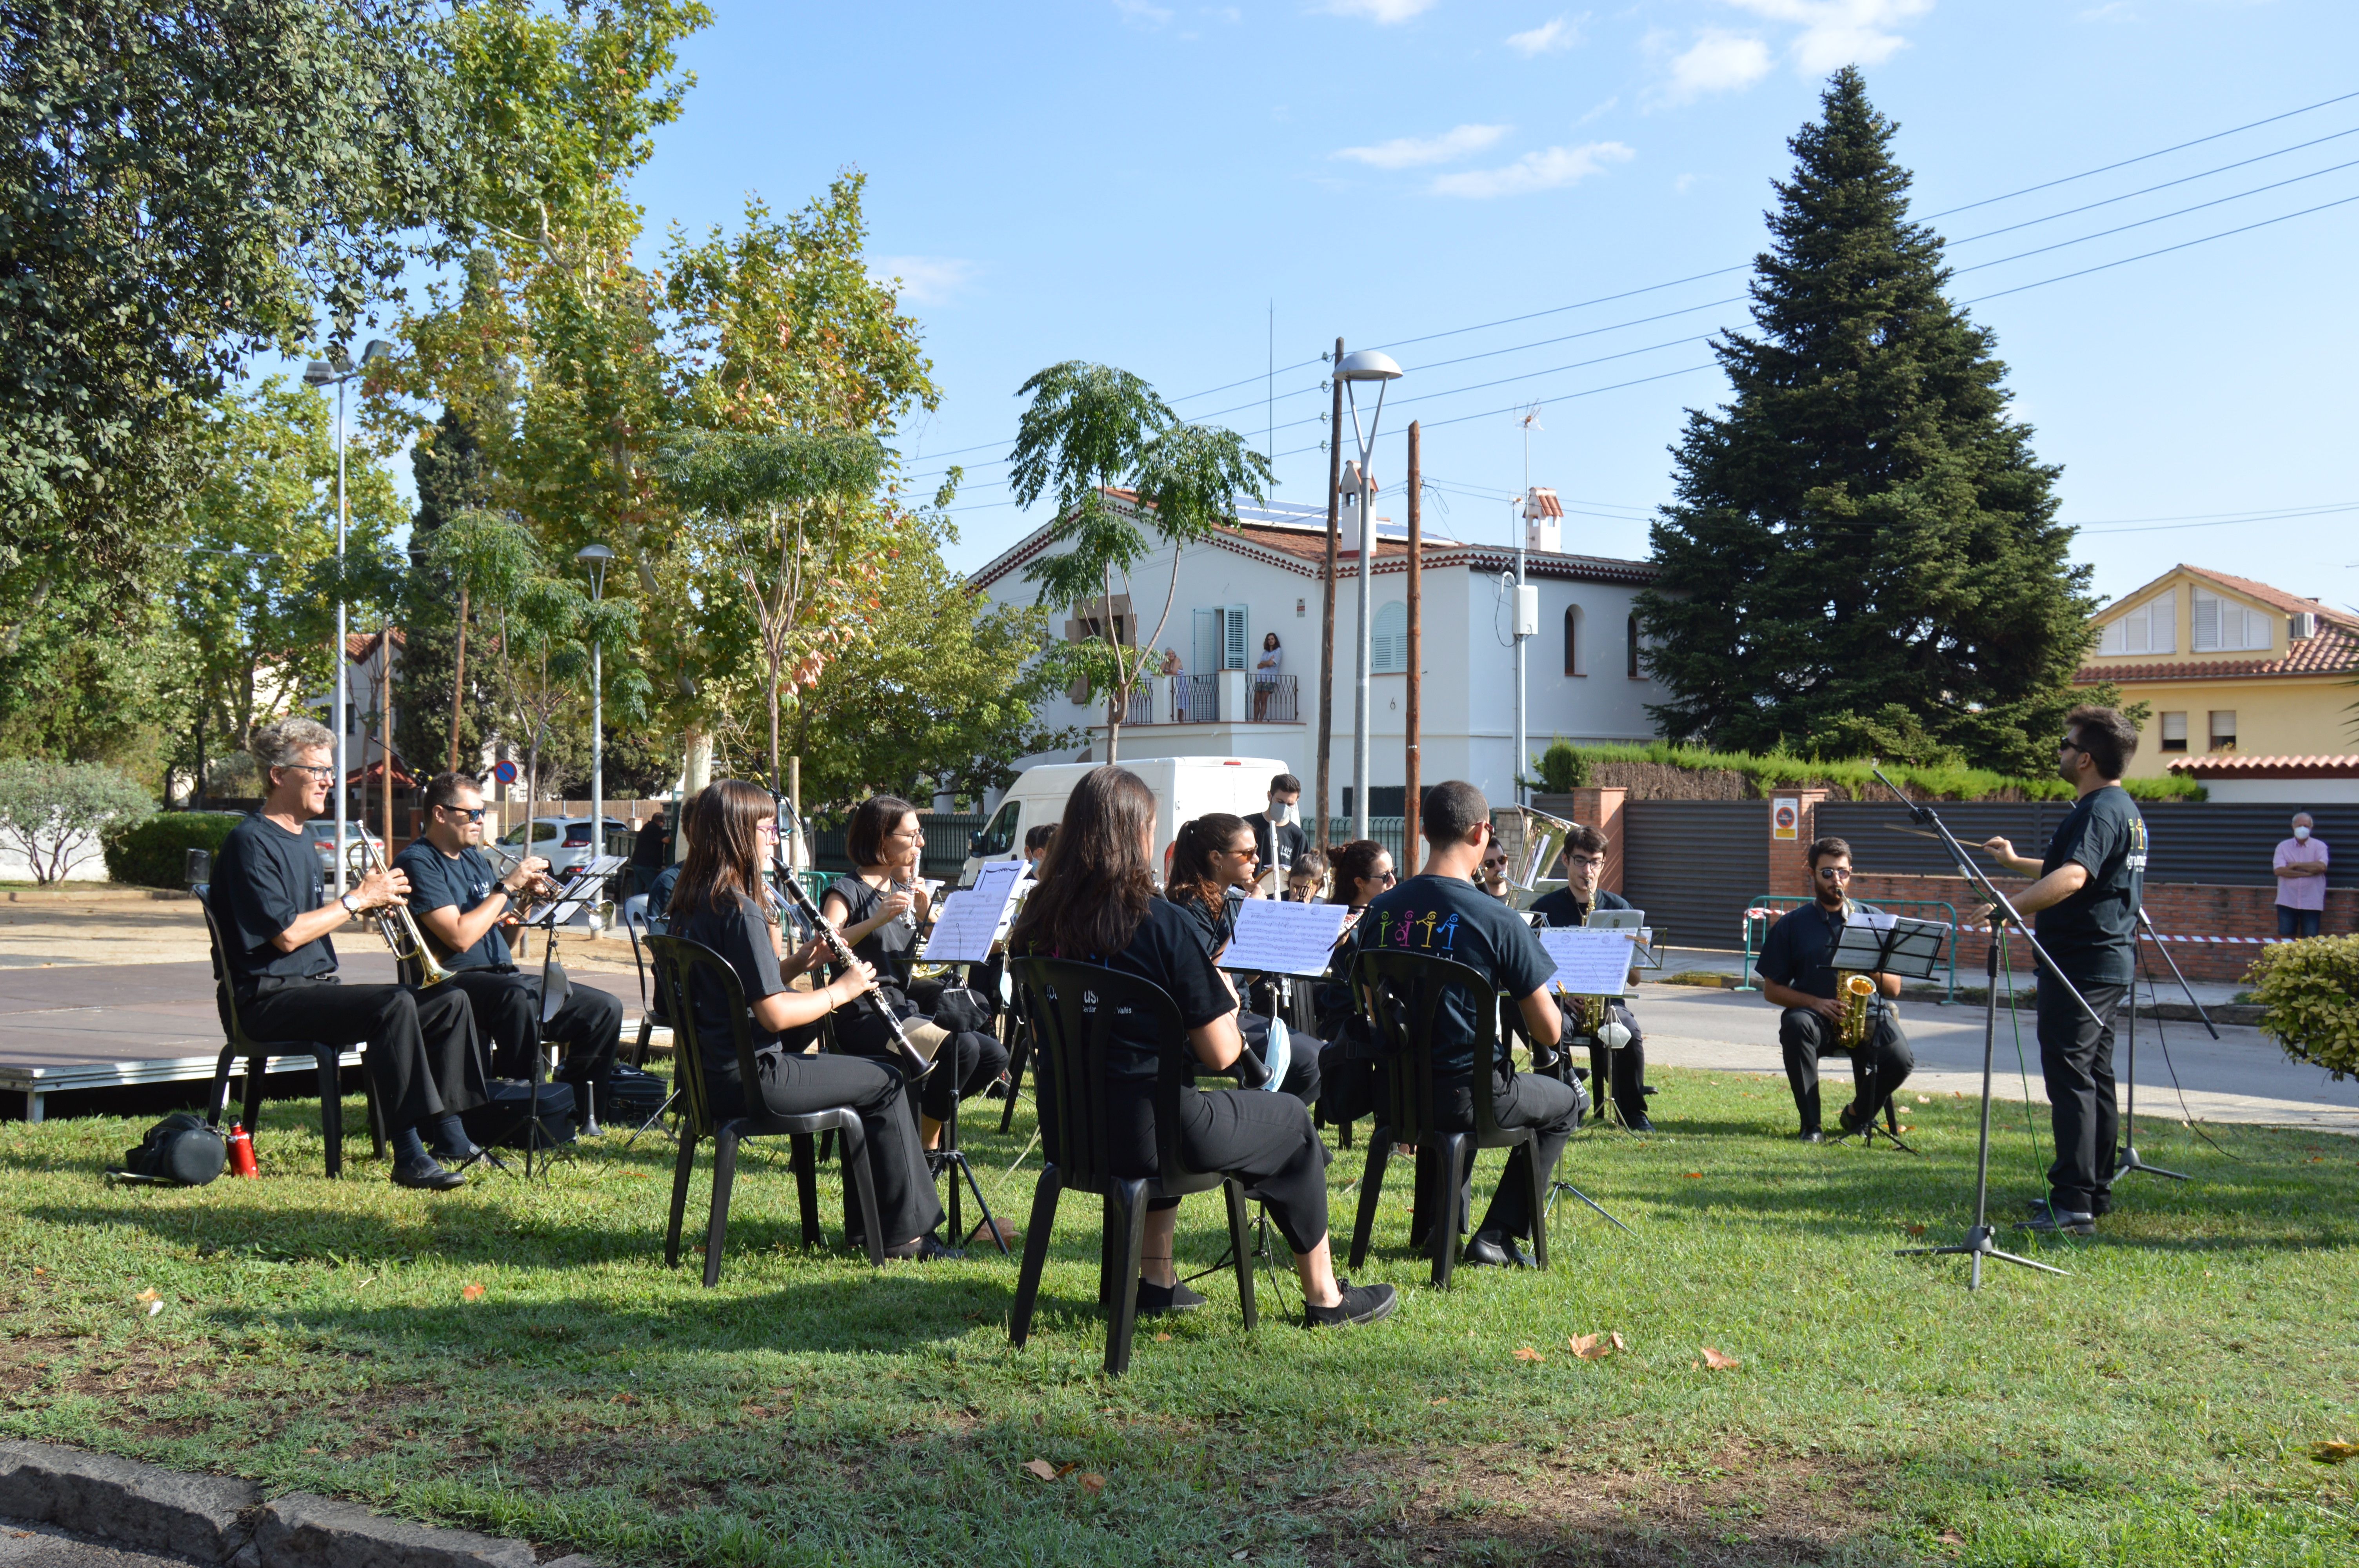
column 1450, row 917
column 1795, row 953
column 742, row 937
column 1167, row 950
column 2093, row 934
column 265, row 879
column 1561, row 909
column 459, row 882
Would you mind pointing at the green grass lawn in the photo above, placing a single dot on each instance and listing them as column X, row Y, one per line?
column 515, row 1358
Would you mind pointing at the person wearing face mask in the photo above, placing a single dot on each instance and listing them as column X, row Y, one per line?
column 2301, row 880
column 1277, row 831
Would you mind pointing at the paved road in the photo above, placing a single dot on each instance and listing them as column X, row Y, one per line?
column 2243, row 1077
column 31, row 1545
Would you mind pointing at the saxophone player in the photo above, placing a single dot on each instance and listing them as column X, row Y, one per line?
column 275, row 926
column 1797, row 977
column 462, row 904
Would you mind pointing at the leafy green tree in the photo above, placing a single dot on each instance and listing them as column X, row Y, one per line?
column 448, row 464
column 1864, row 555
column 53, row 812
column 1093, row 429
column 489, row 560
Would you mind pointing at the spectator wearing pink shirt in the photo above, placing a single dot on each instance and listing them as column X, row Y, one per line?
column 2301, row 880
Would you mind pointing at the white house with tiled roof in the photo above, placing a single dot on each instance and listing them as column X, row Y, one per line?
column 2229, row 666
column 1265, row 576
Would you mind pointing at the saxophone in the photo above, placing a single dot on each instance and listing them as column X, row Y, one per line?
column 1857, row 993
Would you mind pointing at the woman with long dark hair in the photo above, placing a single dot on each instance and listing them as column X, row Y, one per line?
column 1347, row 1066
column 1215, row 859
column 878, row 910
column 1096, row 904
column 721, row 903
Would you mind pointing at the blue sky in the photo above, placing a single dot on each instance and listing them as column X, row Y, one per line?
column 1143, row 181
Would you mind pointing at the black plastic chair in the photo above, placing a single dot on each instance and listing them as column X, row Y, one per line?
column 1402, row 992
column 257, row 1055
column 1072, row 1008
column 678, row 964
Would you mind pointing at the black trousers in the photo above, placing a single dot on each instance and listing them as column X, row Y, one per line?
column 423, row 1058
column 1537, row 1100
column 507, row 1008
column 793, row 1083
column 2076, row 1056
column 1623, row 1073
column 1880, row 1067
column 970, row 1061
column 1264, row 1140
column 1347, row 1074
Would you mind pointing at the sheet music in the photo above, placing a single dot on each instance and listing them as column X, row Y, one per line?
column 1275, row 938
column 1589, row 963
column 969, row 920
column 586, row 879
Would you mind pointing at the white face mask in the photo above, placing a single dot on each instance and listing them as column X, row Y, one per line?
column 2301, row 834
column 1281, row 811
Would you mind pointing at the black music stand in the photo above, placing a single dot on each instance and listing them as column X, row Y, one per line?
column 588, row 879
column 2126, row 1158
column 1979, row 1244
column 1891, row 945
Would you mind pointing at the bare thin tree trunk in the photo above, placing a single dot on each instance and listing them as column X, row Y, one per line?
column 459, row 680
column 1121, row 695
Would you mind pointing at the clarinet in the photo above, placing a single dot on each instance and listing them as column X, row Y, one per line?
column 913, row 1063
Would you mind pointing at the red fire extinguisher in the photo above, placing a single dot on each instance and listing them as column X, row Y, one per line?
column 241, row 1151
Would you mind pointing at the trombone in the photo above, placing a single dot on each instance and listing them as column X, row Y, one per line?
column 394, row 923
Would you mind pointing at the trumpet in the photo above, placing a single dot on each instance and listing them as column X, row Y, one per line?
column 523, row 906
column 394, row 923
column 1857, row 994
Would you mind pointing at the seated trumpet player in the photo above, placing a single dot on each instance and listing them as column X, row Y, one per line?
column 464, row 906
column 1584, row 859
column 421, row 1056
column 1827, row 1014
column 878, row 911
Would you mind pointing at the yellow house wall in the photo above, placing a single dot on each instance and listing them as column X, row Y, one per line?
column 2293, row 716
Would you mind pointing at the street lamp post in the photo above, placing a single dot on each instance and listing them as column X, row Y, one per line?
column 335, row 374
column 594, row 557
column 1364, row 365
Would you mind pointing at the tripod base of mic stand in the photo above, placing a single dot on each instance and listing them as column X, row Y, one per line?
column 1978, row 1244
column 2129, row 1162
column 1556, row 1187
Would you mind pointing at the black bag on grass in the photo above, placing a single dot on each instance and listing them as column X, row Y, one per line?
column 502, row 1122
column 180, row 1150
column 633, row 1094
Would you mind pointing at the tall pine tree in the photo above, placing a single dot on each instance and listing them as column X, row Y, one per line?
column 1864, row 555
column 447, row 462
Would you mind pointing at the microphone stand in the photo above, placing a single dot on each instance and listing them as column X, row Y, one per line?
column 1979, row 1243
column 2128, row 1159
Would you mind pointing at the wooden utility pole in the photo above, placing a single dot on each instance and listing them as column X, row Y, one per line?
column 1416, row 650
column 1326, row 599
column 385, row 726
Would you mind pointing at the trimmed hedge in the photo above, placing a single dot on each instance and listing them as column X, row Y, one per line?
column 154, row 853
column 1762, row 774
column 2309, row 992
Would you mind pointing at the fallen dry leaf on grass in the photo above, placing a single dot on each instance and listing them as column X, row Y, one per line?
column 1924, row 1099
column 1041, row 1470
column 149, row 1295
column 1694, row 1175
column 1525, row 1353
column 1716, row 1361
column 40, row 1271
column 1161, row 1338
column 1916, row 1230
column 473, row 1293
column 2333, row 1453
column 1092, row 1483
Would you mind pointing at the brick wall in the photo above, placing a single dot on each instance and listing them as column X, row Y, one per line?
column 1600, row 807
column 2177, row 908
column 1789, row 870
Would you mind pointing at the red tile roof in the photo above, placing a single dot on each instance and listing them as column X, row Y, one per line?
column 2267, row 595
column 2332, row 651
column 2229, row 765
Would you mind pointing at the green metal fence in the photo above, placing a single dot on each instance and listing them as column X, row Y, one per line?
column 1757, row 921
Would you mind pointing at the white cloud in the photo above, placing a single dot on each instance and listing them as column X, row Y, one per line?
column 1416, row 152
column 1841, row 32
column 2112, row 11
column 924, row 280
column 1383, row 12
column 1718, row 62
column 1546, row 39
column 1139, row 13
column 1533, row 171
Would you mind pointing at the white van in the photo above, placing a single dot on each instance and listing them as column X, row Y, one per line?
column 1185, row 788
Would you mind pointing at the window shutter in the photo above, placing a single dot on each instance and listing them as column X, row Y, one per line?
column 2205, row 617
column 1205, row 656
column 1389, row 640
column 2162, row 623
column 1232, row 647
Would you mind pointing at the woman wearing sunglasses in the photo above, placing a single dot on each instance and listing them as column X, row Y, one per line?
column 1213, row 861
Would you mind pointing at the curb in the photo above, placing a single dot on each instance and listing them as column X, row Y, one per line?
column 218, row 1519
column 100, row 892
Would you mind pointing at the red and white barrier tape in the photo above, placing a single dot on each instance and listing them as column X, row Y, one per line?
column 1751, row 914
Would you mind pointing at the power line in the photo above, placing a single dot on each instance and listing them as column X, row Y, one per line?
column 2205, row 240
column 2143, row 223
column 2150, row 190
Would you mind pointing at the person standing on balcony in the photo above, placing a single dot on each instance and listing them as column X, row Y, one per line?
column 2301, row 880
column 1267, row 670
column 1276, row 832
column 1177, row 668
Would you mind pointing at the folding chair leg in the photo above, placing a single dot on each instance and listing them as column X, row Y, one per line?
column 1539, row 1181
column 1036, row 1256
column 1109, row 1240
column 1019, row 1055
column 1451, row 1193
column 1131, row 1197
column 854, row 1140
column 682, row 1168
column 331, row 1112
column 375, row 1113
column 1372, row 1184
column 1236, row 1195
column 258, row 1067
column 220, row 1101
column 806, row 1164
column 724, row 1176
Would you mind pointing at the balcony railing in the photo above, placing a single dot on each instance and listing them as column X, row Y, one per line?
column 1196, row 699
column 1274, row 700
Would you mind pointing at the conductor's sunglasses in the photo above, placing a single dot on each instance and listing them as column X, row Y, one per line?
column 460, row 811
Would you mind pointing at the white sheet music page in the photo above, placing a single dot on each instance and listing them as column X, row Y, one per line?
column 971, row 919
column 1276, row 938
column 1587, row 963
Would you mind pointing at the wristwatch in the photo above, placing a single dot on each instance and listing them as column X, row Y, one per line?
column 352, row 904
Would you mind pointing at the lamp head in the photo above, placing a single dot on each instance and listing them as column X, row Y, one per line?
column 377, row 349
column 319, row 373
column 589, row 553
column 1367, row 365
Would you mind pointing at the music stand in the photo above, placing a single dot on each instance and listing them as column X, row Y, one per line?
column 2128, row 1159
column 588, row 878
column 1870, row 944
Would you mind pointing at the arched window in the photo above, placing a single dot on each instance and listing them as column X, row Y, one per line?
column 1572, row 639
column 1635, row 673
column 1389, row 640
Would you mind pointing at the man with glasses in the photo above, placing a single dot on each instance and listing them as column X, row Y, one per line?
column 2087, row 902
column 423, row 1056
column 464, row 904
column 1583, row 863
column 1796, row 976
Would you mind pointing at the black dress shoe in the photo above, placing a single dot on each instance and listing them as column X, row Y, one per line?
column 1640, row 1124
column 1488, row 1250
column 429, row 1177
column 2048, row 1220
column 924, row 1250
column 1810, row 1135
column 1851, row 1119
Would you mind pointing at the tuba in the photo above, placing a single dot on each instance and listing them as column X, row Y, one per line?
column 1857, row 994
column 1533, row 841
column 394, row 923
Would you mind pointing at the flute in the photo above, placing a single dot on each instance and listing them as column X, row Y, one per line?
column 913, row 1062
